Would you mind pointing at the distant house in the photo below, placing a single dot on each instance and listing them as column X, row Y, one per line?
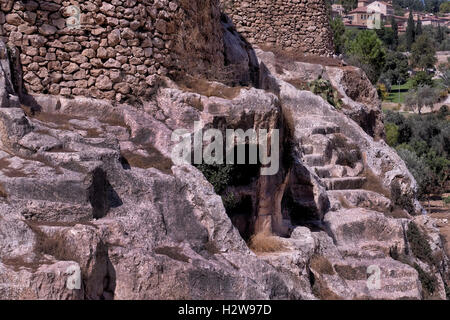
column 446, row 22
column 359, row 16
column 370, row 14
column 337, row 10
column 363, row 3
column 381, row 7
column 402, row 22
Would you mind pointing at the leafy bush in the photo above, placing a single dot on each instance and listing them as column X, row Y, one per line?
column 419, row 170
column 424, row 144
column 443, row 112
column 446, row 201
column 419, row 244
column 429, row 282
column 421, row 78
column 401, row 199
column 223, row 175
column 324, row 89
column 382, row 91
column 392, row 134
column 220, row 176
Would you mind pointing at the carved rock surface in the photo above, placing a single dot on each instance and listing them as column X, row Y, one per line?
column 92, row 206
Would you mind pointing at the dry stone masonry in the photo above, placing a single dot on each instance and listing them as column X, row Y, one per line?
column 115, row 49
column 110, row 49
column 290, row 24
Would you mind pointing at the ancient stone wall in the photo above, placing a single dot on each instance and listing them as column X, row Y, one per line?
column 111, row 49
column 300, row 25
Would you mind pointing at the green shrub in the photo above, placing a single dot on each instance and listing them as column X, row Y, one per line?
column 220, row 176
column 324, row 89
column 443, row 112
column 422, row 78
column 419, row 169
column 230, row 202
column 419, row 244
column 446, row 201
column 392, row 134
column 428, row 281
column 400, row 199
column 393, row 252
column 424, row 145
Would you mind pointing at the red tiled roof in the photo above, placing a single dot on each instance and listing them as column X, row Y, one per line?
column 360, row 10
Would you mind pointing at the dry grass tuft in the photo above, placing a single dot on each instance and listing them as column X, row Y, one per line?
column 321, row 265
column 265, row 242
column 374, row 183
column 284, row 55
column 174, row 253
column 3, row 193
column 207, row 88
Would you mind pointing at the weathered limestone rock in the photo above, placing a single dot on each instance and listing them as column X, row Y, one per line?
column 359, row 97
column 325, row 124
column 88, row 190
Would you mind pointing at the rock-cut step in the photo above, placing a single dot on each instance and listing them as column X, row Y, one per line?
column 396, row 280
column 344, row 183
column 323, row 171
column 359, row 199
column 314, row 160
column 308, row 149
column 315, row 125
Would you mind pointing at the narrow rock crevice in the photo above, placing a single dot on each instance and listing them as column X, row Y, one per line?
column 102, row 196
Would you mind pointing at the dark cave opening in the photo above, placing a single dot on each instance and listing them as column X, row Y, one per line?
column 229, row 181
column 301, row 211
column 241, row 215
column 102, row 195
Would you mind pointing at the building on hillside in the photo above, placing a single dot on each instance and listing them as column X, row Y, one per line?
column 430, row 20
column 381, row 7
column 363, row 3
column 370, row 15
column 446, row 20
column 415, row 15
column 402, row 22
column 337, row 10
column 358, row 17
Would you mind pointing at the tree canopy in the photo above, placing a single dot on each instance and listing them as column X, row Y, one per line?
column 423, row 53
column 369, row 49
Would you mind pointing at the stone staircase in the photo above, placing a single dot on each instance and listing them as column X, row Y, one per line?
column 361, row 232
column 397, row 281
column 344, row 182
